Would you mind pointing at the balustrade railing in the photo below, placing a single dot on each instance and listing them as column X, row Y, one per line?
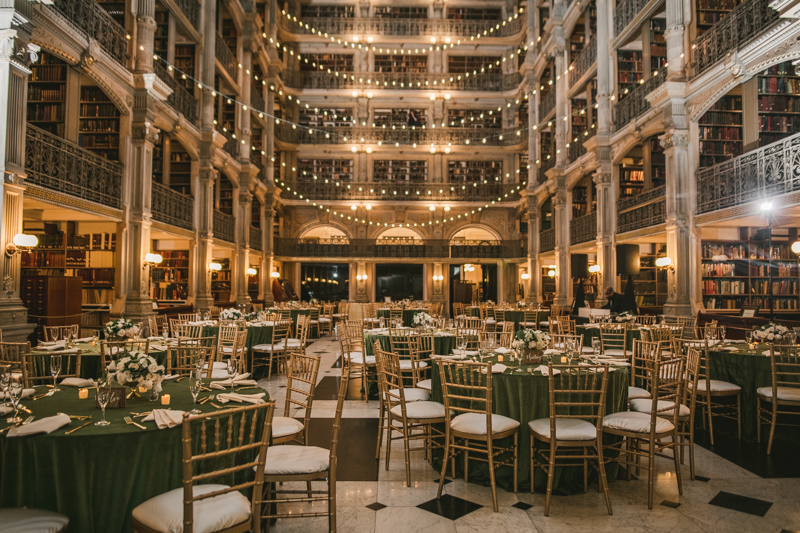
column 255, row 239
column 181, row 99
column 257, row 100
column 744, row 23
column 625, row 12
column 541, row 173
column 439, row 136
column 489, row 81
column 642, row 211
column 547, row 104
column 421, row 192
column 583, row 229
column 54, row 163
column 172, row 207
column 231, row 145
column 405, row 27
column 97, row 24
column 583, row 63
column 225, row 56
column 634, row 103
column 576, row 149
column 769, row 171
column 224, row 226
column 412, row 249
column 547, row 240
column 191, row 9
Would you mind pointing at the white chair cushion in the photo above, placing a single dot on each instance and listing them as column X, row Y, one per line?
column 420, row 410
column 528, row 324
column 313, row 321
column 644, row 405
column 324, row 319
column 31, row 521
column 219, row 373
column 277, row 347
column 636, row 392
column 296, row 460
column 566, row 428
column 476, row 423
column 164, row 513
column 491, row 321
column 542, row 323
column 587, row 349
column 789, row 394
column 283, row 426
column 411, row 394
column 718, row 386
column 424, row 384
column 405, row 364
column 358, row 358
column 635, row 422
column 227, row 349
column 614, row 351
column 217, row 364
column 292, row 342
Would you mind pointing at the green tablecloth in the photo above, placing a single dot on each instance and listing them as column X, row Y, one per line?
column 590, row 333
column 524, row 397
column 91, row 366
column 97, row 475
column 408, row 315
column 442, row 345
column 516, row 315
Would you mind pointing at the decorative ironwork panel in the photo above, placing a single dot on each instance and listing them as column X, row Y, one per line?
column 583, row 63
column 769, row 171
column 583, row 229
column 255, row 239
column 404, row 27
column 625, row 12
column 387, row 248
column 181, row 99
column 226, row 56
column 257, row 100
column 547, row 104
column 172, row 207
column 224, row 226
column 54, row 163
column 400, row 80
column 346, row 135
column 744, row 23
column 231, row 145
column 422, row 192
column 635, row 103
column 547, row 240
column 653, row 194
column 96, row 23
column 643, row 211
column 190, row 8
column 577, row 149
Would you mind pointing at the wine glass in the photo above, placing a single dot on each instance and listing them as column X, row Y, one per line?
column 55, row 370
column 461, row 344
column 195, row 382
column 595, row 348
column 15, row 394
column 722, row 333
column 5, row 383
column 230, row 367
column 103, row 396
column 95, row 337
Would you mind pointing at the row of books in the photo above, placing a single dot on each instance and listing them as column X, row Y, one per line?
column 778, row 287
column 46, row 112
column 51, row 73
column 102, row 126
column 721, row 133
column 47, row 95
column 718, row 269
column 723, row 118
column 724, row 303
column 778, row 103
column 730, row 148
column 781, row 270
column 96, row 276
column 98, row 296
column 98, row 110
column 778, row 123
column 725, row 287
column 43, row 259
column 779, row 85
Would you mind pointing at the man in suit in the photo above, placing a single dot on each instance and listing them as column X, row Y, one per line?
column 614, row 301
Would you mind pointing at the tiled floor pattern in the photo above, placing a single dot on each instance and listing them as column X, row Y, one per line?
column 725, row 497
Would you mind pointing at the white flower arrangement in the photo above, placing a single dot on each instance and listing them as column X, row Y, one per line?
column 313, row 302
column 522, row 304
column 626, row 316
column 121, row 328
column 771, row 332
column 531, row 338
column 423, row 320
column 294, row 304
column 230, row 313
column 136, row 368
column 489, row 302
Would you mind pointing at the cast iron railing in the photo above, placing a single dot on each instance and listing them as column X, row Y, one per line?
column 547, row 240
column 583, row 63
column 385, row 248
column 255, row 238
column 96, row 23
column 547, row 104
column 226, row 57
column 54, row 163
column 181, row 99
column 583, row 229
column 625, row 12
column 224, row 226
column 421, row 192
column 488, row 81
column 190, row 8
column 635, row 103
column 172, row 207
column 642, row 211
column 405, row 27
column 440, row 136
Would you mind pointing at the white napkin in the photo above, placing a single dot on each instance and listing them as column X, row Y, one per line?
column 57, row 345
column 155, row 338
column 735, row 341
column 78, row 382
column 64, row 352
column 239, row 379
column 239, row 398
column 159, row 347
column 454, row 357
column 551, row 351
column 497, row 368
column 43, row 426
column 592, row 326
column 616, row 362
column 5, row 410
column 502, row 349
column 443, row 334
column 26, row 393
column 165, row 418
column 171, row 376
column 611, row 369
column 545, row 372
column 84, row 339
column 729, row 349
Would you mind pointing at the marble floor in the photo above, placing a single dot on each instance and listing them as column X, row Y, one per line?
column 724, row 498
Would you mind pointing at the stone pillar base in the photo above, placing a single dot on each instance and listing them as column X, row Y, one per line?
column 203, row 304
column 138, row 310
column 14, row 322
column 676, row 309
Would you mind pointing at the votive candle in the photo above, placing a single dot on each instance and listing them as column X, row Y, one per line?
column 165, row 399
column 83, row 394
column 563, row 358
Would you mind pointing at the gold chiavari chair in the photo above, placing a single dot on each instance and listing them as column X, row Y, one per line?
column 189, row 317
column 643, row 353
column 206, row 506
column 326, row 320
column 301, row 382
column 529, row 319
column 467, row 389
column 687, row 323
column 474, row 323
column 422, row 348
column 11, row 354
column 313, row 321
column 275, row 350
column 183, row 360
column 57, row 333
column 185, row 330
column 412, row 419
column 152, row 326
column 400, row 343
column 175, row 326
column 645, row 320
column 163, row 324
column 784, row 391
column 110, row 350
column 396, row 316
column 356, row 360
column 563, row 342
column 256, row 307
column 458, row 310
column 226, row 339
column 214, row 311
column 566, row 326
column 298, row 344
column 239, row 354
column 573, row 433
column 662, row 336
column 472, row 336
column 614, row 339
column 498, row 339
column 36, row 367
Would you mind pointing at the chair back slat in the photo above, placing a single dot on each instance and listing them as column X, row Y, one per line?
column 109, row 350
column 643, row 352
column 614, row 337
column 467, row 388
column 36, row 367
column 183, row 360
column 577, row 392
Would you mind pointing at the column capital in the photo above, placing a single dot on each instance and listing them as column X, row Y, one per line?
column 674, row 138
column 144, row 132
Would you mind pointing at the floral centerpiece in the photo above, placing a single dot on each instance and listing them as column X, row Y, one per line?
column 313, row 302
column 531, row 343
column 626, row 316
column 424, row 320
column 521, row 304
column 770, row 332
column 121, row 328
column 251, row 317
column 136, row 369
column 489, row 302
column 294, row 304
column 230, row 313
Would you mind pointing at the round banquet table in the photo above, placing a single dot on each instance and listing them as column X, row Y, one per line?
column 97, row 475
column 91, row 366
column 589, row 332
column 525, row 397
column 408, row 315
column 443, row 344
column 255, row 335
column 516, row 315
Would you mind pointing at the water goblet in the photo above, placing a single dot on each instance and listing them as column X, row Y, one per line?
column 722, row 333
column 230, row 367
column 596, row 346
column 5, row 383
column 103, row 396
column 55, row 370
column 15, row 394
column 195, row 382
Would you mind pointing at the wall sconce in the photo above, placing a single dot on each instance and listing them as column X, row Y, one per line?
column 438, row 278
column 525, row 276
column 468, row 268
column 275, row 275
column 214, row 267
column 551, row 273
column 151, row 259
column 252, row 271
column 594, row 269
column 359, row 277
column 796, row 247
column 665, row 263
column 22, row 244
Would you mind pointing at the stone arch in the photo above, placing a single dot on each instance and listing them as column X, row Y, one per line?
column 495, row 236
column 416, row 231
column 314, row 224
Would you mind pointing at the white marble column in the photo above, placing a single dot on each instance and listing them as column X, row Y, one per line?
column 533, row 292
column 561, row 221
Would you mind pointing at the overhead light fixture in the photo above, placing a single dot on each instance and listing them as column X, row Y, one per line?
column 796, row 247
column 438, row 278
column 551, row 273
column 665, row 263
column 525, row 276
column 276, row 275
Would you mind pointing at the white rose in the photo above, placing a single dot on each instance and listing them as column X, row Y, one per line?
column 112, row 367
column 770, row 336
column 147, row 383
column 124, row 360
column 532, row 344
column 133, row 366
column 153, row 368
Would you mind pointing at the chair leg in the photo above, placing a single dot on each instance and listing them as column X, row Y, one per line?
column 710, row 418
column 651, row 472
column 444, row 464
column 389, row 430
column 691, row 451
column 269, row 372
column 758, row 419
column 533, row 459
column 380, row 429
column 675, row 447
column 308, row 488
column 466, row 466
column 585, row 472
column 772, row 425
column 601, row 470
column 516, row 460
column 739, row 415
column 332, row 501
column 407, row 455
column 551, row 472
column 493, row 483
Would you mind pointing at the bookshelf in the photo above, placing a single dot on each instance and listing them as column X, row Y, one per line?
column 579, row 120
column 161, row 36
column 221, row 281
column 584, row 197
column 631, row 175
column 99, row 123
column 327, row 62
column 391, row 12
column 185, row 62
column 658, row 44
column 158, row 160
column 709, row 12
column 401, row 63
column 474, row 171
column 523, row 114
column 255, row 213
column 476, row 118
column 170, row 279
column 404, row 170
column 180, row 169
column 650, row 286
column 464, row 64
column 326, row 117
column 658, row 163
column 629, row 70
column 778, row 103
column 736, row 273
column 473, row 13
column 397, row 117
column 47, row 94
column 225, row 195
column 115, row 8
column 589, row 288
column 327, row 11
column 252, row 286
column 229, row 34
column 325, row 169
column 721, row 132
